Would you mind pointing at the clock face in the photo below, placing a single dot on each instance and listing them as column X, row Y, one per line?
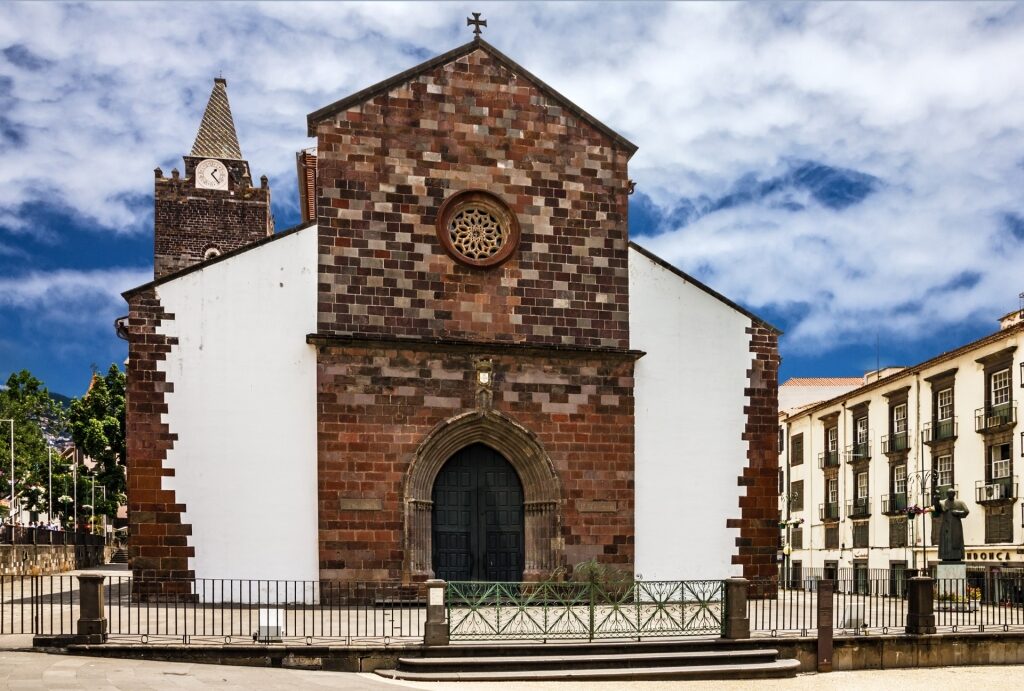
column 211, row 175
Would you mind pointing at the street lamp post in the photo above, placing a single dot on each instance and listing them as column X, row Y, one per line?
column 923, row 479
column 10, row 510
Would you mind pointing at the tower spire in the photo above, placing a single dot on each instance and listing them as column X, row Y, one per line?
column 217, row 137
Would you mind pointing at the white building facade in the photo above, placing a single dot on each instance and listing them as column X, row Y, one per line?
column 857, row 470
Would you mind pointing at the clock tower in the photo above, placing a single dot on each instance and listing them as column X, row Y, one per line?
column 213, row 207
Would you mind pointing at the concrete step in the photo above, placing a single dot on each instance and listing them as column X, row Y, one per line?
column 777, row 669
column 587, row 661
column 119, row 557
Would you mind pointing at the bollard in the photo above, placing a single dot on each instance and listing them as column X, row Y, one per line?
column 436, row 628
column 920, row 605
column 825, row 608
column 92, row 624
column 736, row 625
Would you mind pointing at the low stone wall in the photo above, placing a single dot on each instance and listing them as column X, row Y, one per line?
column 35, row 560
column 894, row 652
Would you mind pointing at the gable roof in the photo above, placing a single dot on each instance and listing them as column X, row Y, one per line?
column 217, row 137
column 216, row 260
column 476, row 44
column 710, row 291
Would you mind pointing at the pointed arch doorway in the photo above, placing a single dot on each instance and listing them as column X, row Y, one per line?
column 478, row 518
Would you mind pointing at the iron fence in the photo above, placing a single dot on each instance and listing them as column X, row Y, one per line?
column 583, row 611
column 221, row 610
column 789, row 609
column 980, row 602
column 26, row 535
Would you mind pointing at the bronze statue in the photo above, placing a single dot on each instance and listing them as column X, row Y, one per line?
column 951, row 532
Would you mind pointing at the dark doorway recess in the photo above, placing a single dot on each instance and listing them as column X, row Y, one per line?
column 478, row 518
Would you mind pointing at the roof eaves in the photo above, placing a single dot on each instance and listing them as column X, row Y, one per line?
column 210, row 262
column 369, row 92
column 916, row 369
column 707, row 289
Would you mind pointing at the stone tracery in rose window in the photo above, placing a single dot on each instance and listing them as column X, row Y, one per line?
column 476, row 233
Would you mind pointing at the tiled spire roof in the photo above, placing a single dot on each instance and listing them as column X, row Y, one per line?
column 217, row 138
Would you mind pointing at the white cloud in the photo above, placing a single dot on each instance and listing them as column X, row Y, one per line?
column 71, row 298
column 926, row 97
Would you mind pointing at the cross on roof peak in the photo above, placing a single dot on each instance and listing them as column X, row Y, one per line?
column 476, row 23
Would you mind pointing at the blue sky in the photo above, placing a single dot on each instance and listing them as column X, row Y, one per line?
column 852, row 172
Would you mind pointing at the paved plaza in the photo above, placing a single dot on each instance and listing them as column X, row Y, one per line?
column 29, row 671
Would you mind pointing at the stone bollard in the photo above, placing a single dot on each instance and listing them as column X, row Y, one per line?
column 825, row 609
column 736, row 624
column 436, row 628
column 920, row 605
column 92, row 624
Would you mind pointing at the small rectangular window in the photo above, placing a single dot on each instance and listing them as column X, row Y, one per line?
column 796, row 449
column 899, row 419
column 899, row 479
column 833, row 438
column 944, row 470
column 833, row 490
column 1000, row 457
column 796, row 495
column 862, row 485
column 1000, row 387
column 861, row 429
column 944, row 404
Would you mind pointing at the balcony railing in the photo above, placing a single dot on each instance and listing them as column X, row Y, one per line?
column 995, row 490
column 828, row 459
column 994, row 418
column 939, row 430
column 859, row 507
column 858, row 452
column 894, row 443
column 829, row 511
column 894, row 504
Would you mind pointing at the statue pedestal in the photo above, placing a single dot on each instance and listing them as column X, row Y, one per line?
column 951, row 587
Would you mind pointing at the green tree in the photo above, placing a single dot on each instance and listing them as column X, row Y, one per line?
column 97, row 428
column 38, row 420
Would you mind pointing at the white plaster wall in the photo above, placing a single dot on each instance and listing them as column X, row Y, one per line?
column 689, row 421
column 244, row 410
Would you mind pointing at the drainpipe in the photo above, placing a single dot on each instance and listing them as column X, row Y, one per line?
column 839, row 475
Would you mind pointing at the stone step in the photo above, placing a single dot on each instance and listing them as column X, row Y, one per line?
column 119, row 557
column 590, row 661
column 776, row 669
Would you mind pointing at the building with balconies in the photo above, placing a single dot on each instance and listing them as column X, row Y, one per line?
column 888, row 446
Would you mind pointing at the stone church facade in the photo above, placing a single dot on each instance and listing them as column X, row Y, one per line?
column 462, row 367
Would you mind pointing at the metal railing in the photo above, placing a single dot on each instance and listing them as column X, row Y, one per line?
column 992, row 418
column 221, row 611
column 859, row 507
column 995, row 490
column 26, row 535
column 894, row 443
column 857, row 452
column 828, row 459
column 981, row 602
column 829, row 511
column 939, row 430
column 583, row 611
column 894, row 504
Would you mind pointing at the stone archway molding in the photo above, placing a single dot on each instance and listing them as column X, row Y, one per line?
column 541, row 488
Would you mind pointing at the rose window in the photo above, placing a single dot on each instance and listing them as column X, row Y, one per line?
column 477, row 229
column 476, row 233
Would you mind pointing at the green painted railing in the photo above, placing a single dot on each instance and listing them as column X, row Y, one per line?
column 583, row 611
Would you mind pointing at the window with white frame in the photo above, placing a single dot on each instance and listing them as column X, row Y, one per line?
column 833, row 438
column 899, row 418
column 861, row 429
column 899, row 479
column 1000, row 456
column 944, row 470
column 944, row 404
column 832, row 488
column 862, row 486
column 1000, row 384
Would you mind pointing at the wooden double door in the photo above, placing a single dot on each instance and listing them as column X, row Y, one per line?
column 478, row 518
